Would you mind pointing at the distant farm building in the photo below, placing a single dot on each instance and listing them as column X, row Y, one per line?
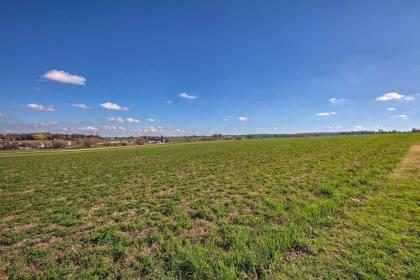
column 155, row 142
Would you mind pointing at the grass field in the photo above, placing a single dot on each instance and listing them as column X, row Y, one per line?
column 299, row 208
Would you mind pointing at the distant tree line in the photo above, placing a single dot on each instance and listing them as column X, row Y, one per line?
column 45, row 136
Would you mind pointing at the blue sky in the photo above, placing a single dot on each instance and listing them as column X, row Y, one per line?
column 189, row 67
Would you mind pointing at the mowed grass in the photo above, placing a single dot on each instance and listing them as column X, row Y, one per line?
column 221, row 210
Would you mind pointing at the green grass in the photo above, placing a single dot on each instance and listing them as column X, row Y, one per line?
column 220, row 210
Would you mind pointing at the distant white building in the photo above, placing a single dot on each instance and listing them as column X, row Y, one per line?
column 155, row 142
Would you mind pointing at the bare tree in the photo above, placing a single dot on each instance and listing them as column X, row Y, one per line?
column 89, row 143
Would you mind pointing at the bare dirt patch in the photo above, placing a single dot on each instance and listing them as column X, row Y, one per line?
column 22, row 227
column 9, row 218
column 92, row 210
column 49, row 242
column 3, row 272
column 200, row 230
column 409, row 167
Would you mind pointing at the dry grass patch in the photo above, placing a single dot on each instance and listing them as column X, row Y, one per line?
column 3, row 273
column 9, row 218
column 94, row 209
column 51, row 241
column 409, row 166
column 22, row 227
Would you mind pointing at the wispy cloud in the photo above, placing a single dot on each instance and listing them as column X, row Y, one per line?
column 89, row 128
column 335, row 100
column 113, row 106
column 187, row 96
column 151, row 120
column 122, row 120
column 326, row 114
column 168, row 102
column 116, row 119
column 132, row 120
column 401, row 117
column 64, row 77
column 394, row 96
column 80, row 106
column 242, row 118
column 358, row 127
column 391, row 109
column 40, row 107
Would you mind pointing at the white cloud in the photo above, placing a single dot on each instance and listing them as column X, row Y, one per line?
column 113, row 106
column 390, row 96
column 335, row 100
column 80, row 106
column 64, row 77
column 116, row 119
column 358, row 127
column 88, row 128
column 39, row 107
column 390, row 109
column 394, row 96
column 122, row 120
column 151, row 120
column 326, row 114
column 132, row 120
column 243, row 119
column 401, row 117
column 187, row 96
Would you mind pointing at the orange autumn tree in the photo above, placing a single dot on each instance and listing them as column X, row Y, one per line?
column 40, row 136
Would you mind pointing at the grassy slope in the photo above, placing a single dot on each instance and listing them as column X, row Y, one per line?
column 211, row 210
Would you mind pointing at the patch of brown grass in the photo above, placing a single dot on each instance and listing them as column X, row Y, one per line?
column 22, row 227
column 199, row 230
column 92, row 210
column 409, row 165
column 49, row 242
column 9, row 218
column 3, row 273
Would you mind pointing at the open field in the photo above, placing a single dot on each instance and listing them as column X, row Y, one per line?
column 310, row 208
